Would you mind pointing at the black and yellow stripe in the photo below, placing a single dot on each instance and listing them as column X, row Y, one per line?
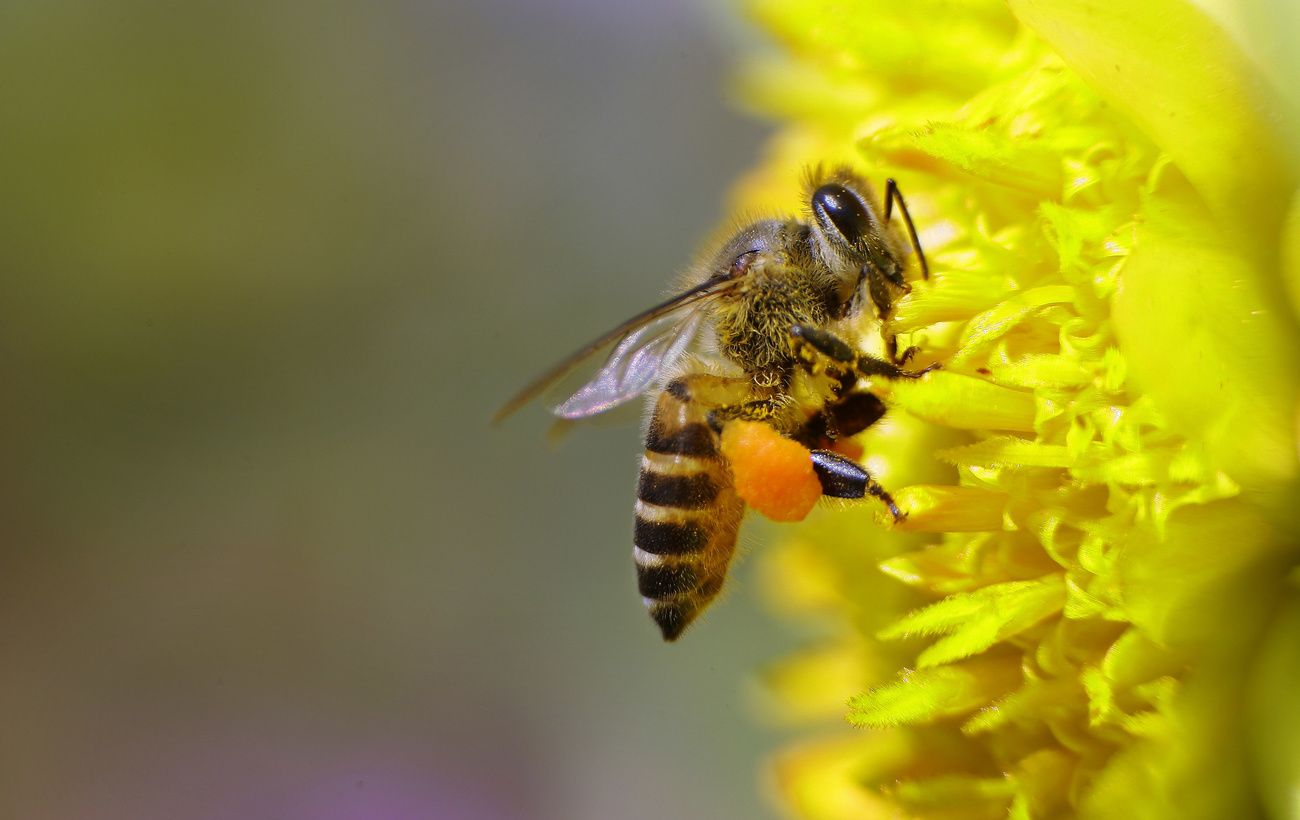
column 687, row 512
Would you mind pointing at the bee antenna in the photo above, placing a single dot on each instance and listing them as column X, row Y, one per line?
column 892, row 193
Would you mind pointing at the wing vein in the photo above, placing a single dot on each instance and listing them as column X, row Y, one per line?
column 620, row 335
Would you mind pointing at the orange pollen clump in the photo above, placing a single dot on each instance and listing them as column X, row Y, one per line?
column 773, row 474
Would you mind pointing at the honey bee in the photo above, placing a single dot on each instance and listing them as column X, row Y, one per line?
column 753, row 335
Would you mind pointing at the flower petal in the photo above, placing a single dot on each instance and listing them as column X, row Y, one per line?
column 1185, row 83
column 1212, row 348
column 1275, row 712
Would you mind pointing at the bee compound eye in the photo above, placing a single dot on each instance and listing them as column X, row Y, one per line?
column 840, row 207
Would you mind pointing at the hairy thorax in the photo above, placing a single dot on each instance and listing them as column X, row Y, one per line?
column 753, row 324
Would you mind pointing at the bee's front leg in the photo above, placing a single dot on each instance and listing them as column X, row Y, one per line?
column 810, row 341
column 905, row 356
column 843, row 477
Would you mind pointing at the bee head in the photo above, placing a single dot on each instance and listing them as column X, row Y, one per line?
column 842, row 218
column 851, row 241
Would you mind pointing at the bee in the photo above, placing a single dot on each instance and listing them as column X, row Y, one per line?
column 753, row 335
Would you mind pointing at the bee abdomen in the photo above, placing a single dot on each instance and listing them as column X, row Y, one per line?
column 682, row 492
column 658, row 580
column 687, row 513
column 673, row 614
column 695, row 439
column 669, row 537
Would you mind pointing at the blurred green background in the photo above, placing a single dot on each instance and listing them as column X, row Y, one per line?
column 266, row 268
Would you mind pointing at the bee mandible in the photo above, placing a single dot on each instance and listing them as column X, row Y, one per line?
column 753, row 335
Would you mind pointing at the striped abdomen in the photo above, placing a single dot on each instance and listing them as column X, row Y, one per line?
column 687, row 512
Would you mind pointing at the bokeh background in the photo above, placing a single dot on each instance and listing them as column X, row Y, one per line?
column 266, row 268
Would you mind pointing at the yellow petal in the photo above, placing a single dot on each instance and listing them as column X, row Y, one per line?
column 815, row 683
column 1207, row 342
column 930, row 508
column 1275, row 713
column 822, row 780
column 1185, row 83
column 1291, row 254
column 962, row 402
column 1184, row 589
column 931, row 694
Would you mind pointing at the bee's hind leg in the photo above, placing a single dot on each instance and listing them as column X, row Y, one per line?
column 843, row 477
column 811, row 340
column 756, row 410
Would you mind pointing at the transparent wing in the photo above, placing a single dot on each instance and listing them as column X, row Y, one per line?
column 634, row 365
column 644, row 346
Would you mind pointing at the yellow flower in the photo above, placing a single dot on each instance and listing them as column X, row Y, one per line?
column 1083, row 614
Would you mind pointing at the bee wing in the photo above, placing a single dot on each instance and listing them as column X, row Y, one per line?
column 645, row 345
column 634, row 365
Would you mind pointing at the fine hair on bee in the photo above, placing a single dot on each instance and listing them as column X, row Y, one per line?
column 756, row 333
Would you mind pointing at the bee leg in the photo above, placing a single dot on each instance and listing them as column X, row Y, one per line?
column 756, row 410
column 882, row 291
column 856, row 412
column 842, row 477
column 906, row 355
column 847, row 416
column 836, row 349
